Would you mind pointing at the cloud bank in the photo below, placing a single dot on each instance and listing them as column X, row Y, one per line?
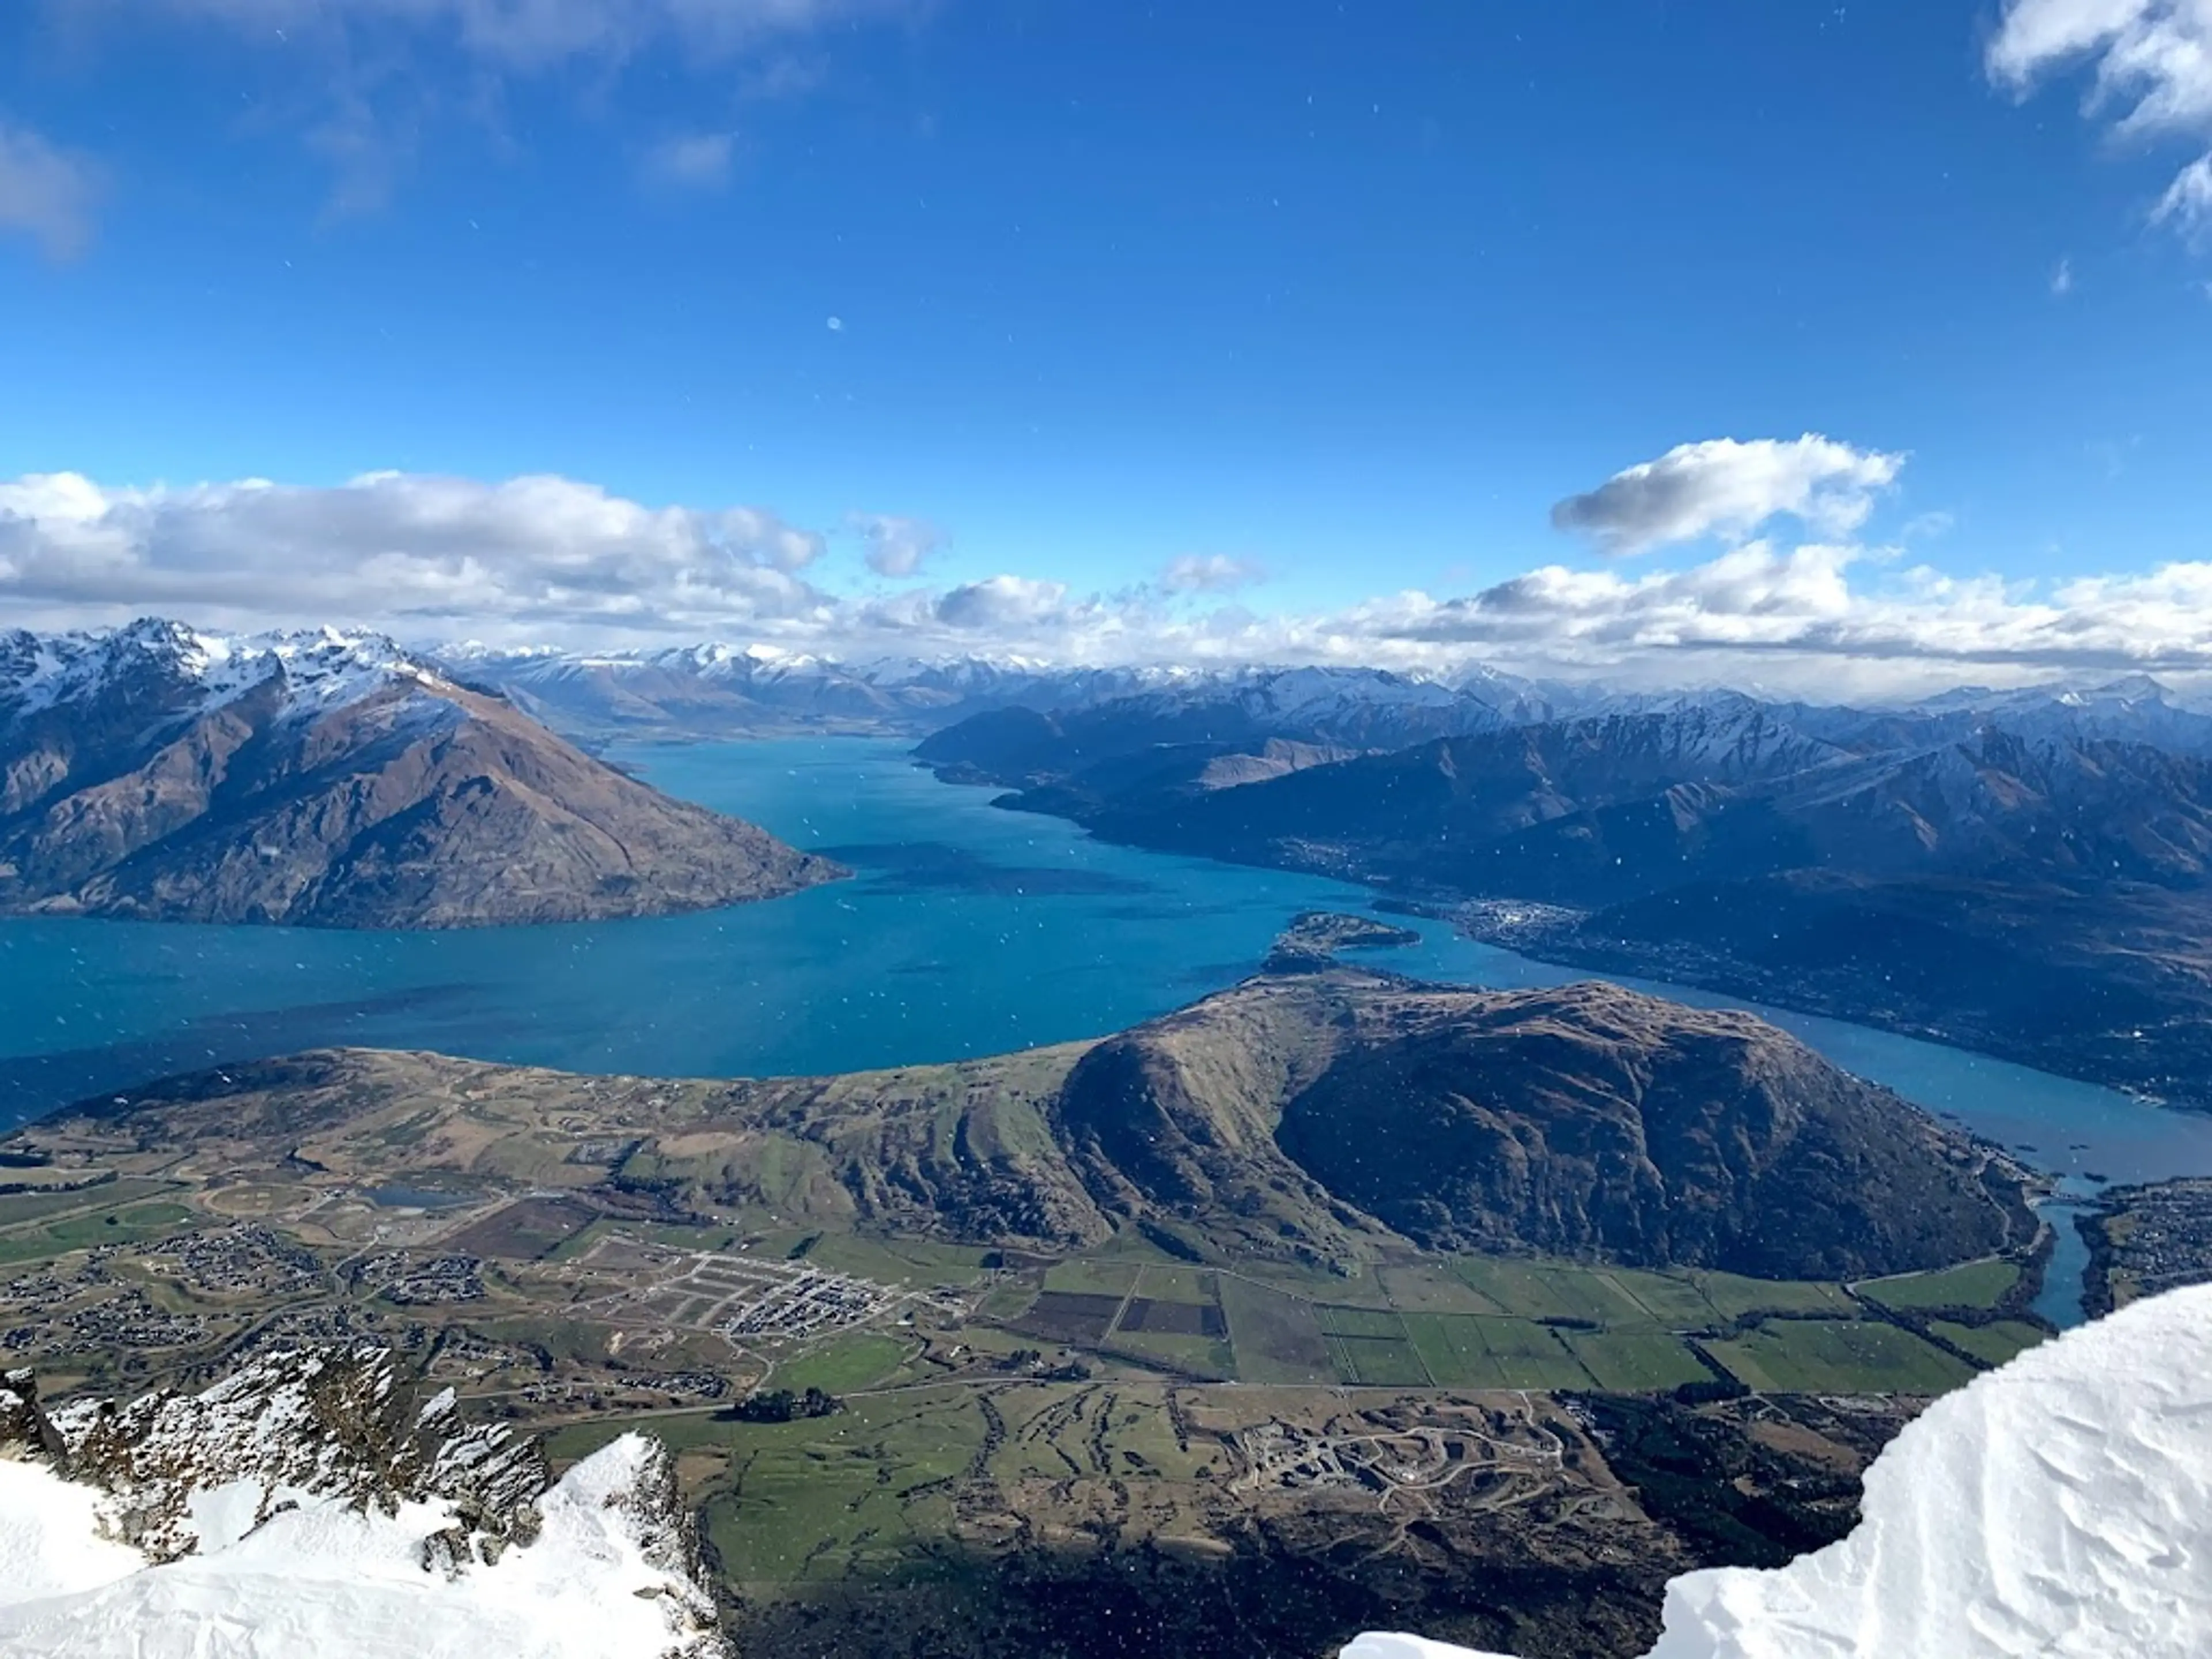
column 552, row 560
column 1724, row 488
column 407, row 549
column 2150, row 64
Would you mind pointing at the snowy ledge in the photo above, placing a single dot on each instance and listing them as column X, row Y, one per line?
column 293, row 1510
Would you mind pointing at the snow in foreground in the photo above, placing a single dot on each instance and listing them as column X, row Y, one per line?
column 330, row 1580
column 304, row 1507
column 2060, row 1506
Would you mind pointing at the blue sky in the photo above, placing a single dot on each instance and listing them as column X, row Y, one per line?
column 1350, row 295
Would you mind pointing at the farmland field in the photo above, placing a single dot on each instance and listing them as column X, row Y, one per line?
column 1810, row 1356
column 858, row 1360
column 1378, row 1361
column 1635, row 1362
column 1276, row 1336
column 1975, row 1285
column 1993, row 1344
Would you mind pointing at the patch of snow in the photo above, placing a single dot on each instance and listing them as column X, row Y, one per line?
column 2060, row 1506
column 50, row 1538
column 342, row 1582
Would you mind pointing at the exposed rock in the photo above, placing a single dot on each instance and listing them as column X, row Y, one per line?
column 330, row 1423
column 321, row 1457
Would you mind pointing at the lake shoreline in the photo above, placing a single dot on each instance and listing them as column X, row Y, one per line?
column 969, row 931
column 1540, row 930
column 1708, row 971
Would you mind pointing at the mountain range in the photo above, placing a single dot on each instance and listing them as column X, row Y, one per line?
column 2011, row 873
column 328, row 779
column 730, row 690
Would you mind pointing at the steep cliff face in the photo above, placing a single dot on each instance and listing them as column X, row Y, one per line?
column 1594, row 1120
column 329, row 781
column 309, row 1504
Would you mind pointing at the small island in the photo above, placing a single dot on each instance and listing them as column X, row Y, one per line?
column 1313, row 939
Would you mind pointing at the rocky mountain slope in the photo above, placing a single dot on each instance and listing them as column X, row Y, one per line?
column 308, row 1504
column 2057, row 1505
column 1323, row 1117
column 2111, row 983
column 2039, row 888
column 332, row 781
column 1617, row 805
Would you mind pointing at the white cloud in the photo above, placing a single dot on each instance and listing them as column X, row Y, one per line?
column 1002, row 604
column 1214, row 573
column 896, row 546
column 2187, row 204
column 551, row 559
column 400, row 549
column 45, row 191
column 2151, row 75
column 1722, row 487
column 2062, row 279
column 1801, row 613
column 695, row 162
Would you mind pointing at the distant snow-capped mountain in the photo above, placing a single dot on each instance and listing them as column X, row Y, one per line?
column 725, row 691
column 711, row 690
column 308, row 1505
column 2134, row 709
column 174, row 669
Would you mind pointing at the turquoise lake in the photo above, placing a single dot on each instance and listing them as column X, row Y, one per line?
column 967, row 930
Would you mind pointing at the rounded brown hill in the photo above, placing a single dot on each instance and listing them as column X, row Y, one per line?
column 1587, row 1120
column 1329, row 1118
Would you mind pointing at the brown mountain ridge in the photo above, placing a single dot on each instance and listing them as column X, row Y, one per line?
column 336, row 783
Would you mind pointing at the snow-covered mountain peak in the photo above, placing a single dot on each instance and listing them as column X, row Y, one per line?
column 194, row 671
column 308, row 1505
column 2059, row 1506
